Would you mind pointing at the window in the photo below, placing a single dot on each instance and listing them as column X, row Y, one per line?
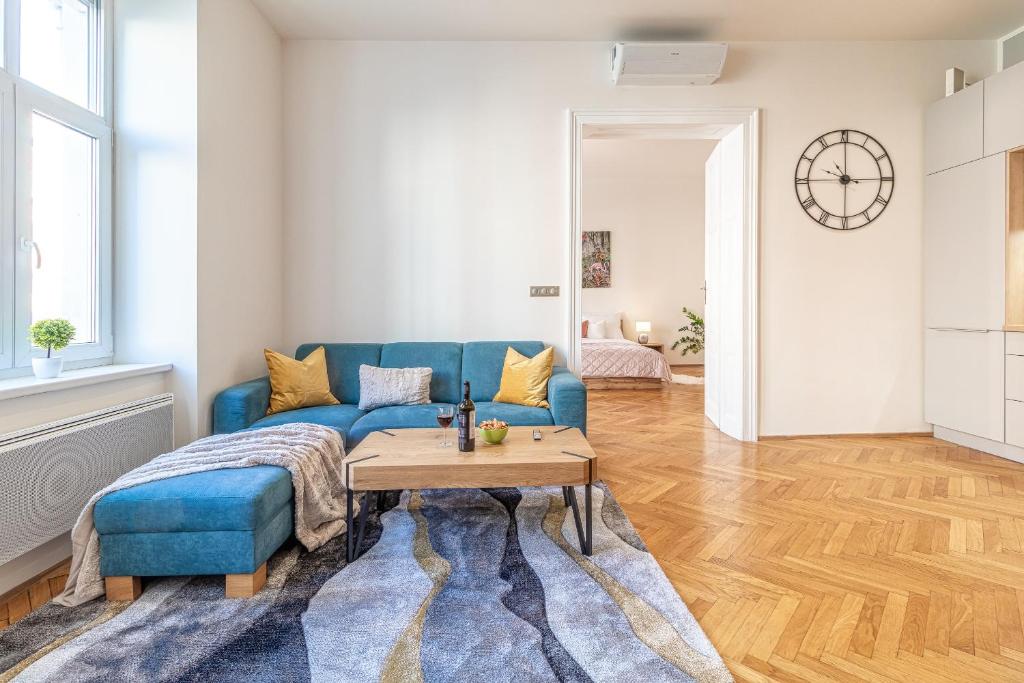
column 58, row 48
column 55, row 180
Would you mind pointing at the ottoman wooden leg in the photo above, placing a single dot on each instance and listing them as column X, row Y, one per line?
column 245, row 585
column 123, row 588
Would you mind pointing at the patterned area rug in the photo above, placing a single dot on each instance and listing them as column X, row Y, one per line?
column 465, row 585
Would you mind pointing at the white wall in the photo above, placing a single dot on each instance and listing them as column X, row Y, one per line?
column 425, row 180
column 199, row 283
column 650, row 194
column 241, row 158
column 155, row 194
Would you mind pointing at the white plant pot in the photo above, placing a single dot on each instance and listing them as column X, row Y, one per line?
column 47, row 368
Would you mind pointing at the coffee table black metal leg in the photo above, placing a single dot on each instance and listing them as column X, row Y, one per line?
column 364, row 509
column 588, row 500
column 574, row 504
column 348, row 525
column 565, row 495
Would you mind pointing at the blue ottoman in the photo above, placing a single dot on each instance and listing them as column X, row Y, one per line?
column 219, row 522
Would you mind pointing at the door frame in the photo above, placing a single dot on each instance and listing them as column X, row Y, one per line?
column 750, row 120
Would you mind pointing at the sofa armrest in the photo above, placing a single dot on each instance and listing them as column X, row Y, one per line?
column 239, row 406
column 568, row 398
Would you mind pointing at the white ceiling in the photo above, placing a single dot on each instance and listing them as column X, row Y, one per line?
column 737, row 20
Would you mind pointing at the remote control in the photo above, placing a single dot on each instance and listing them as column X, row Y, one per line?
column 536, row 435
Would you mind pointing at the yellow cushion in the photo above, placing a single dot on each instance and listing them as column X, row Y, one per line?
column 298, row 383
column 525, row 380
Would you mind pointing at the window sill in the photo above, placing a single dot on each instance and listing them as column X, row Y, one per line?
column 17, row 387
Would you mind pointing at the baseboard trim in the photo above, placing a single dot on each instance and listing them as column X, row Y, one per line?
column 861, row 435
column 56, row 569
column 980, row 443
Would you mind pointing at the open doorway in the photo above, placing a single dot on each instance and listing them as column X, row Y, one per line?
column 662, row 203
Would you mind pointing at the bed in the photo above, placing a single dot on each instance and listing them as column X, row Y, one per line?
column 623, row 364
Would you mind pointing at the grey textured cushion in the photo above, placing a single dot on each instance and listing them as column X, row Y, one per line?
column 379, row 387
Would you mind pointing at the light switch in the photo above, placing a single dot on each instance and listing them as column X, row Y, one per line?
column 542, row 290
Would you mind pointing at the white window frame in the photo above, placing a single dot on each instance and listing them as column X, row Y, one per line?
column 29, row 100
column 19, row 99
column 7, row 253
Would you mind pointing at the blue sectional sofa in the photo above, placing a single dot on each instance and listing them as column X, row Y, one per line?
column 230, row 521
column 244, row 406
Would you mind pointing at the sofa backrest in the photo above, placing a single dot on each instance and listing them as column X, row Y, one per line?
column 444, row 358
column 482, row 362
column 343, row 361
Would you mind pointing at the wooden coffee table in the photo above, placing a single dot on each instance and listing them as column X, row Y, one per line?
column 411, row 459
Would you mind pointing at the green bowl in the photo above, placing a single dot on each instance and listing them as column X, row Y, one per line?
column 494, row 436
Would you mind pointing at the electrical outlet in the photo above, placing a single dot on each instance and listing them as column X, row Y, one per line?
column 550, row 290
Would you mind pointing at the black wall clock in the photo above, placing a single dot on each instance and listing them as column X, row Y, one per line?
column 844, row 179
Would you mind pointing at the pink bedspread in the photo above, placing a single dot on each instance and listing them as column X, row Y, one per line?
column 623, row 358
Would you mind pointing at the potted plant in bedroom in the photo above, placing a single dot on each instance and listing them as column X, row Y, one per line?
column 53, row 335
column 692, row 340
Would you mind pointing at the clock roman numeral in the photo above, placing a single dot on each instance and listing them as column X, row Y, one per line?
column 808, row 203
column 886, row 178
column 844, row 136
column 881, row 200
column 823, row 218
column 867, row 216
column 879, row 158
column 801, row 181
column 821, row 141
column 845, row 222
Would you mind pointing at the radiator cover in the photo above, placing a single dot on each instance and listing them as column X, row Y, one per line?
column 49, row 472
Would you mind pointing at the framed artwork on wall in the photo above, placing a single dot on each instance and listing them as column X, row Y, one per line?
column 597, row 259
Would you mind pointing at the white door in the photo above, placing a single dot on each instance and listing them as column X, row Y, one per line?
column 711, row 324
column 724, row 268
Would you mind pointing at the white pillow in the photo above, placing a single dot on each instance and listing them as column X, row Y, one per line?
column 379, row 387
column 596, row 330
column 612, row 324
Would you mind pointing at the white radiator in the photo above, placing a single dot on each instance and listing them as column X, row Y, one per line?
column 47, row 473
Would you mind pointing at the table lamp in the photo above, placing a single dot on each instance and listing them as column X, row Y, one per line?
column 642, row 328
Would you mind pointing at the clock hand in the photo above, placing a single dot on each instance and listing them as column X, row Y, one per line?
column 837, row 175
column 841, row 171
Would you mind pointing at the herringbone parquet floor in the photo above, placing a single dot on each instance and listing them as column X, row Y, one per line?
column 825, row 559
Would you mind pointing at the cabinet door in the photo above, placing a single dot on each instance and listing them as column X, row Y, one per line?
column 963, row 375
column 1004, row 110
column 952, row 129
column 965, row 246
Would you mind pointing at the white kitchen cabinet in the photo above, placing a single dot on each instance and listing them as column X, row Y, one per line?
column 953, row 129
column 965, row 246
column 964, row 381
column 1004, row 110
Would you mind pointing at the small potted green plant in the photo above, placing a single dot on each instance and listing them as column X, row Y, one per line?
column 52, row 335
column 692, row 340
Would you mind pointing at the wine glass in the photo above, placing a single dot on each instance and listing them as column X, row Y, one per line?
column 445, row 415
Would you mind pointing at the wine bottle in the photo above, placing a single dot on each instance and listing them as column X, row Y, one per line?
column 467, row 421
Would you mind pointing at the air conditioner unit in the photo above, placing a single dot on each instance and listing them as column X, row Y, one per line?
column 668, row 63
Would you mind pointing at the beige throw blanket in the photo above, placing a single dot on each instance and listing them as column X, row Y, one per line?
column 311, row 453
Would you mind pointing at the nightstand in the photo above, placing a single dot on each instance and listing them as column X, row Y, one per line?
column 657, row 346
